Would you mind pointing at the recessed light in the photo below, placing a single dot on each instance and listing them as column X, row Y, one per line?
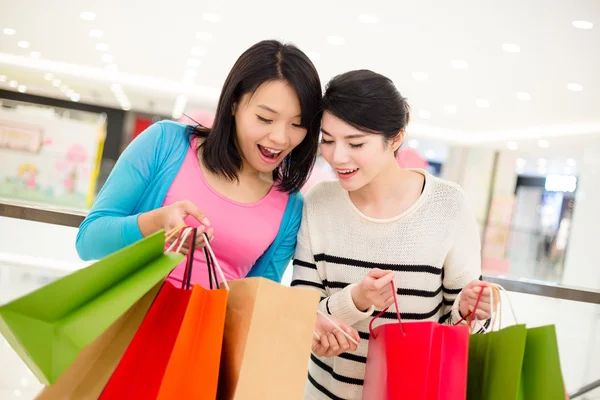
column 583, row 24
column 512, row 145
column 336, row 40
column 199, row 51
column 576, row 87
column 24, row 382
column 368, row 18
column 102, row 47
column 430, row 154
column 542, row 170
column 542, row 162
column 112, row 67
column 49, row 76
column 13, row 84
column 523, row 96
column 211, row 17
column 22, row 88
column 424, row 114
column 314, row 56
column 460, row 64
column 17, row 393
column 70, row 92
column 544, row 144
column 9, row 31
column 194, row 63
column 413, row 144
column 190, row 72
column 482, row 103
column 3, row 78
column 511, row 48
column 35, row 54
column 420, row 76
column 126, row 107
column 75, row 97
column 88, row 16
column 24, row 44
column 521, row 163
column 450, row 109
column 107, row 58
column 205, row 36
column 64, row 88
column 56, row 82
column 571, row 162
column 96, row 33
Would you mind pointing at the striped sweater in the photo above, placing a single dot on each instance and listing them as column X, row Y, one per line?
column 433, row 248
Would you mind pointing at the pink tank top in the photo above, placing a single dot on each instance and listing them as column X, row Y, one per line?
column 243, row 231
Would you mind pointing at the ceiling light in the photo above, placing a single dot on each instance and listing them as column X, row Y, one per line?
column 430, row 154
column 17, row 393
column 583, row 24
column 542, row 162
column 112, row 67
column 22, row 88
column 35, row 54
column 75, row 97
column 64, row 88
column 56, row 82
column 24, row 44
column 336, row 40
column 482, row 103
column 70, row 92
column 2, row 78
column 512, row 145
column 542, row 170
column 13, row 84
column 413, row 144
column 198, row 51
column 88, row 16
column 511, row 48
column 521, row 163
column 544, row 144
column 368, row 18
column 24, row 382
column 424, row 114
column 460, row 64
column 575, row 87
column 523, row 96
column 9, row 31
column 571, row 162
column 49, row 76
column 205, row 36
column 179, row 107
column 190, row 72
column 313, row 55
column 107, row 58
column 101, row 47
column 211, row 17
column 126, row 107
column 96, row 33
column 450, row 109
column 420, row 76
column 194, row 63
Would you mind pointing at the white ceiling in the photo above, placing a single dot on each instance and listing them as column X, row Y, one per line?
column 151, row 42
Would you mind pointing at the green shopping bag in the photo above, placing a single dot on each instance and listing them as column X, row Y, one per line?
column 542, row 376
column 50, row 326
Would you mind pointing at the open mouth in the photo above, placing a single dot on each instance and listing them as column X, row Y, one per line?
column 269, row 154
column 346, row 173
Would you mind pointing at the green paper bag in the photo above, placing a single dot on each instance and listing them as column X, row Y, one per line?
column 495, row 364
column 50, row 326
column 542, row 376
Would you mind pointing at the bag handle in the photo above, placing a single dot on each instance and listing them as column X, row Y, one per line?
column 383, row 312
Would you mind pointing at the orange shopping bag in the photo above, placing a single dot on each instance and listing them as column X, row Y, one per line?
column 193, row 369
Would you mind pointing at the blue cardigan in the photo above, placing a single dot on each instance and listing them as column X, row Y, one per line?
column 139, row 183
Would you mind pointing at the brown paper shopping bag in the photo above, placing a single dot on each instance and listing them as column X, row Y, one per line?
column 87, row 376
column 267, row 340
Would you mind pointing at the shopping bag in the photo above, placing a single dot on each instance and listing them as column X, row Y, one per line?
column 86, row 377
column 416, row 360
column 193, row 369
column 49, row 327
column 267, row 341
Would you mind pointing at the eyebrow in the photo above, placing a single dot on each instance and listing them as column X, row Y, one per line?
column 264, row 107
column 355, row 136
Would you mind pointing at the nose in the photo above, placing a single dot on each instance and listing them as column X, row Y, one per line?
column 279, row 135
column 340, row 155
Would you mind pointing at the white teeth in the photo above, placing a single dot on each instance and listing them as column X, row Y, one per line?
column 272, row 151
column 347, row 171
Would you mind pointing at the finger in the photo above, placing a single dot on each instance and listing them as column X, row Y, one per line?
column 195, row 212
column 376, row 273
column 334, row 346
column 383, row 281
column 342, row 341
column 354, row 335
column 481, row 314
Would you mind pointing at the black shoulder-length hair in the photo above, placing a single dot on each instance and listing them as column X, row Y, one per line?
column 268, row 60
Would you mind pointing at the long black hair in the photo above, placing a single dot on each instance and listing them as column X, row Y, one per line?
column 369, row 102
column 268, row 60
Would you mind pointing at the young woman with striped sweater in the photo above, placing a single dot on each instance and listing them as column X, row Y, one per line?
column 376, row 224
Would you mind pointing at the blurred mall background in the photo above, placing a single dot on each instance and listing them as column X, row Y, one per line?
column 505, row 99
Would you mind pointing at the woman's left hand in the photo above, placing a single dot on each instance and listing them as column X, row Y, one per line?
column 468, row 298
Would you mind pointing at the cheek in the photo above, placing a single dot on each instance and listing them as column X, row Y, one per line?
column 297, row 136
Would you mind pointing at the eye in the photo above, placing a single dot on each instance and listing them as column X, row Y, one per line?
column 298, row 126
column 323, row 141
column 356, row 146
column 266, row 121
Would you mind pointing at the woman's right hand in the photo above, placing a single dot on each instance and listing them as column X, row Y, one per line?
column 174, row 215
column 374, row 290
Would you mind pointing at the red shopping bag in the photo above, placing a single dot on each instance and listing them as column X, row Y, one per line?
column 416, row 361
column 140, row 371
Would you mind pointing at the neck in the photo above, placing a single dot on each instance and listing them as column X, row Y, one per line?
column 388, row 185
column 251, row 174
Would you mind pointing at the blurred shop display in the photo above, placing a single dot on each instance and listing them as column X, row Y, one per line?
column 198, row 117
column 50, row 157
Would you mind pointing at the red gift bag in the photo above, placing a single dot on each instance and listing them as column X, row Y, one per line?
column 416, row 361
column 140, row 371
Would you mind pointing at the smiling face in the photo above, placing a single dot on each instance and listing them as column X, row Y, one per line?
column 268, row 125
column 357, row 157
